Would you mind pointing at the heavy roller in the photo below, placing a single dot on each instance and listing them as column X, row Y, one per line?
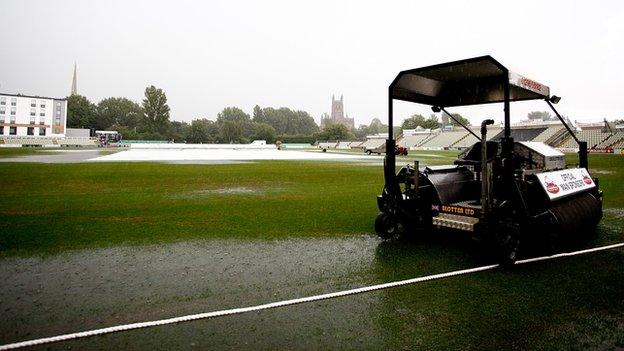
column 499, row 190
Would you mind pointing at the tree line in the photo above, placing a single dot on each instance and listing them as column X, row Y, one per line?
column 151, row 120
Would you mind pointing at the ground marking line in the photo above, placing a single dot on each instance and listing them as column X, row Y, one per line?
column 193, row 317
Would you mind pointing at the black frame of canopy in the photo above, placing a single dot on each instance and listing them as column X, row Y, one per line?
column 391, row 184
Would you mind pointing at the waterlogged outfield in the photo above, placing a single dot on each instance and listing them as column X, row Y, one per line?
column 90, row 222
column 48, row 208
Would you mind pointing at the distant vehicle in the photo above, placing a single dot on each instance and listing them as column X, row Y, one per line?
column 107, row 137
column 398, row 150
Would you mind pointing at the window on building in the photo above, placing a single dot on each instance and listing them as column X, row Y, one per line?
column 1, row 130
column 41, row 121
column 33, row 103
column 58, row 104
column 42, row 131
column 42, row 104
column 12, row 130
column 12, row 119
column 32, row 119
column 2, row 110
column 2, row 101
column 13, row 110
column 13, row 101
column 57, row 121
column 30, row 131
column 58, row 112
column 42, row 113
column 33, row 112
column 1, row 119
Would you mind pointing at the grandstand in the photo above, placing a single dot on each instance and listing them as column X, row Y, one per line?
column 372, row 143
column 444, row 139
column 467, row 141
column 410, row 141
column 522, row 134
column 619, row 141
column 549, row 134
column 327, row 145
column 17, row 141
column 598, row 136
column 355, row 145
column 343, row 145
column 610, row 140
column 592, row 137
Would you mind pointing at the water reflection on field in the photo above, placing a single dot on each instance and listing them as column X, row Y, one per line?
column 81, row 290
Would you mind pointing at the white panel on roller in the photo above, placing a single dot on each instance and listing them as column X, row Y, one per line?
column 566, row 182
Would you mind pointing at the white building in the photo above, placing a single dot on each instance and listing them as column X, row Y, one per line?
column 33, row 116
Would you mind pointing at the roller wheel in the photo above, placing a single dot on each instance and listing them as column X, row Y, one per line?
column 507, row 243
column 386, row 226
column 368, row 152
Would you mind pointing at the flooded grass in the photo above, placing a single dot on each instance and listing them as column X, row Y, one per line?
column 104, row 244
column 231, row 191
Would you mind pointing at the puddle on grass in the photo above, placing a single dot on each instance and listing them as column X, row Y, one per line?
column 229, row 191
column 615, row 212
column 87, row 289
column 79, row 290
column 240, row 190
column 601, row 171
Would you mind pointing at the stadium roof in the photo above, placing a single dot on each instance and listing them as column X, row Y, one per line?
column 478, row 80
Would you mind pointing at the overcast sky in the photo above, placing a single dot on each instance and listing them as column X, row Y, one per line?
column 207, row 55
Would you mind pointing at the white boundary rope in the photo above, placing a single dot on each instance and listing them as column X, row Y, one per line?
column 221, row 313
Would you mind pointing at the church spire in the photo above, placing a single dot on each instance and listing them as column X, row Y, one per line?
column 74, row 86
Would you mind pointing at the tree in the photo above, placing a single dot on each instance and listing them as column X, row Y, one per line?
column 286, row 121
column 232, row 132
column 118, row 111
column 155, row 111
column 235, row 125
column 126, row 133
column 233, row 114
column 375, row 127
column 413, row 122
column 335, row 132
column 263, row 131
column 421, row 121
column 203, row 131
column 460, row 118
column 258, row 114
column 432, row 122
column 80, row 112
column 178, row 131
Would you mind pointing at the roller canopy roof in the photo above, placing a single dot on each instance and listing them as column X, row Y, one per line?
column 478, row 80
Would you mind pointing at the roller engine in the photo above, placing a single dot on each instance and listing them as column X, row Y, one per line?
column 500, row 191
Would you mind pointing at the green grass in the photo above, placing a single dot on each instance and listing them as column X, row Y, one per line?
column 20, row 151
column 609, row 169
column 53, row 207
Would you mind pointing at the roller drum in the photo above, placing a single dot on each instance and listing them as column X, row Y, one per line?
column 576, row 216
